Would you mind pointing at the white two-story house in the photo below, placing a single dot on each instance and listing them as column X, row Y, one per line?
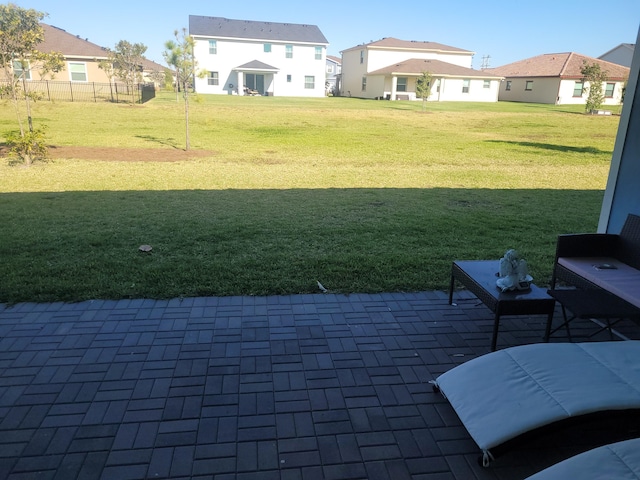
column 264, row 58
column 389, row 68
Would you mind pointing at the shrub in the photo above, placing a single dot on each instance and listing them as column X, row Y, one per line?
column 27, row 148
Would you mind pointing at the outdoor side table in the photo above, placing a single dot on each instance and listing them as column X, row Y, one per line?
column 592, row 303
column 479, row 277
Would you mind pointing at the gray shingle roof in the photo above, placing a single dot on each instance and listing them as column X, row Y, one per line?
column 277, row 32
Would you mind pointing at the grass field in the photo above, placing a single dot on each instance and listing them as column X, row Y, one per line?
column 362, row 196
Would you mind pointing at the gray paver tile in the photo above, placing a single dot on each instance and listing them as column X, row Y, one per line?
column 288, row 387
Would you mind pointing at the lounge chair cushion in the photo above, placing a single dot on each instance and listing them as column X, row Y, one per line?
column 620, row 461
column 507, row 393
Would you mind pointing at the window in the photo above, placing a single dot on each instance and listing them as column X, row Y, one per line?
column 318, row 53
column 267, row 48
column 402, row 84
column 528, row 86
column 309, row 81
column 578, row 87
column 78, row 72
column 361, row 56
column 609, row 89
column 19, row 71
column 213, row 78
column 329, row 68
column 465, row 85
column 487, row 84
column 288, row 78
column 213, row 47
column 289, row 51
column 364, row 84
column 508, row 86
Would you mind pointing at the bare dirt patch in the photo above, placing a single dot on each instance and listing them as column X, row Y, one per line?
column 117, row 154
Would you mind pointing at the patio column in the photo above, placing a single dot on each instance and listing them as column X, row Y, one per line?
column 240, row 82
column 394, row 87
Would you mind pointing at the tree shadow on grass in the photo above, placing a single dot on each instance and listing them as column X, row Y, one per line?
column 551, row 146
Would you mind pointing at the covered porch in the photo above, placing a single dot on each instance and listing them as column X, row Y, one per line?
column 256, row 78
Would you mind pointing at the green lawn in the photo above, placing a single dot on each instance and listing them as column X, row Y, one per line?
column 363, row 196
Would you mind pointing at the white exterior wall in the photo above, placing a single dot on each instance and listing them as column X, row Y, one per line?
column 231, row 53
column 450, row 90
column 566, row 94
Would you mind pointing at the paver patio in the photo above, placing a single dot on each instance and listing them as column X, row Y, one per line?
column 287, row 387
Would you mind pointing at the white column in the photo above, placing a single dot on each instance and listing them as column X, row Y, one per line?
column 394, row 87
column 240, row 83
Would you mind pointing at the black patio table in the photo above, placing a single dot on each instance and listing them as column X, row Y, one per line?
column 479, row 277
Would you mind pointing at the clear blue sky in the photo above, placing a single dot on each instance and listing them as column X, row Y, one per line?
column 506, row 31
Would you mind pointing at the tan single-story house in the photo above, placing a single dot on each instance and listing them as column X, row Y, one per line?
column 556, row 78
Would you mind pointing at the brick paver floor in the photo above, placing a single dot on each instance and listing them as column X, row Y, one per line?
column 285, row 387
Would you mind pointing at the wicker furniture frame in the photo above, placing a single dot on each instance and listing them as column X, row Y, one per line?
column 624, row 246
column 479, row 277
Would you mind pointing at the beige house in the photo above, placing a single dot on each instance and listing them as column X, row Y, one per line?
column 81, row 57
column 388, row 69
column 555, row 78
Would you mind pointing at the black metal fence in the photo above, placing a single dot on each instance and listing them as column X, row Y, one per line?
column 54, row 90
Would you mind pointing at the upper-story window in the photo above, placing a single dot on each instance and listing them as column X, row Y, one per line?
column 267, row 48
column 21, row 69
column 288, row 51
column 361, row 56
column 213, row 47
column 318, row 53
column 78, row 72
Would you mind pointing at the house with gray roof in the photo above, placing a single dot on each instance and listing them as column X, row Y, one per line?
column 389, row 69
column 259, row 58
column 556, row 78
column 622, row 54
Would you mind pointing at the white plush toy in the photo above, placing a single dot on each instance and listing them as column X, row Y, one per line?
column 514, row 274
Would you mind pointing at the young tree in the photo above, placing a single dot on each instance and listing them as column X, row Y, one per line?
column 423, row 88
column 594, row 75
column 20, row 34
column 179, row 55
column 125, row 63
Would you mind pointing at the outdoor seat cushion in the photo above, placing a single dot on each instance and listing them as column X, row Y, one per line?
column 623, row 280
column 620, row 461
column 502, row 395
